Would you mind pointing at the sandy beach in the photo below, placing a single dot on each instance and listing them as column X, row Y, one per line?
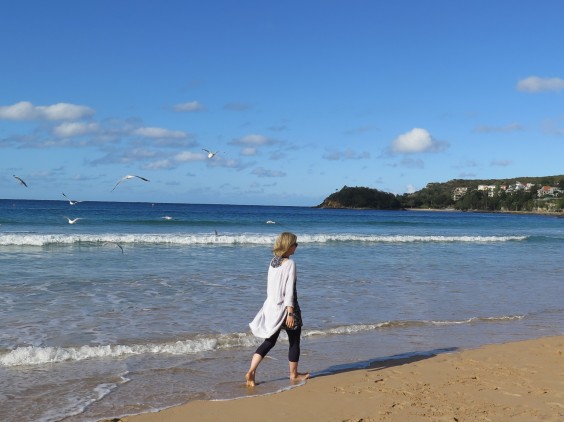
column 520, row 381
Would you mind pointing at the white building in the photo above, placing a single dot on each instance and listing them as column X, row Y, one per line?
column 458, row 193
column 489, row 188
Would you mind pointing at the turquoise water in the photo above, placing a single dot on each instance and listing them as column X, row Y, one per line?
column 142, row 306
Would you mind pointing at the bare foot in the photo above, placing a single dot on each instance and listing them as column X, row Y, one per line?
column 300, row 376
column 250, row 377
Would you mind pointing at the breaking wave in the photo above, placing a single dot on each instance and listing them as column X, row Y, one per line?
column 34, row 355
column 36, row 239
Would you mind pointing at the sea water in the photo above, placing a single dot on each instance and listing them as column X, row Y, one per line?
column 138, row 306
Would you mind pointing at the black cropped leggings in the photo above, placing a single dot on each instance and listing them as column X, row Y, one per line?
column 293, row 350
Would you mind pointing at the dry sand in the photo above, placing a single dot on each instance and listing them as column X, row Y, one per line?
column 521, row 381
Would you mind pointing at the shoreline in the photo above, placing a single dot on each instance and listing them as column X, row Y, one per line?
column 519, row 381
column 546, row 213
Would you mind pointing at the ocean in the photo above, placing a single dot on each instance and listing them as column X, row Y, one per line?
column 141, row 306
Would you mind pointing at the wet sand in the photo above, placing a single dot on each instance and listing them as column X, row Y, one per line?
column 520, row 381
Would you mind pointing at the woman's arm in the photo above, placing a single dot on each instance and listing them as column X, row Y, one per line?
column 289, row 287
column 289, row 294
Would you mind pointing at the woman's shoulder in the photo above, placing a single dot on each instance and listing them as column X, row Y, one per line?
column 289, row 263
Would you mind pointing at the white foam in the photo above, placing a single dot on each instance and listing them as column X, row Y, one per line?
column 79, row 405
column 36, row 239
column 359, row 328
column 33, row 355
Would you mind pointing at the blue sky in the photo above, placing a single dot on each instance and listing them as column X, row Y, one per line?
column 300, row 97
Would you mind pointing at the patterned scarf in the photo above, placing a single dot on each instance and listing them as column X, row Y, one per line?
column 276, row 261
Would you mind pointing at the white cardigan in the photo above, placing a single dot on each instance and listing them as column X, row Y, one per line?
column 279, row 295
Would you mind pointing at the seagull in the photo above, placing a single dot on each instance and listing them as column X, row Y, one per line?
column 211, row 154
column 115, row 243
column 129, row 176
column 167, row 217
column 72, row 221
column 271, row 222
column 70, row 200
column 21, row 180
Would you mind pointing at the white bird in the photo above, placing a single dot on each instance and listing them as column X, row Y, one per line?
column 72, row 221
column 129, row 176
column 21, row 180
column 70, row 200
column 211, row 154
column 271, row 222
column 167, row 217
column 115, row 243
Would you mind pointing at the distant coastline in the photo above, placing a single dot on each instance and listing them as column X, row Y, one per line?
column 536, row 195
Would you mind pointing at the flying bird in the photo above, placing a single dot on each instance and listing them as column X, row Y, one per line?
column 129, row 176
column 70, row 200
column 21, row 180
column 211, row 154
column 71, row 220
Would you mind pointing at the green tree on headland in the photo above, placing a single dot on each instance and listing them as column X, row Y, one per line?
column 361, row 197
column 473, row 195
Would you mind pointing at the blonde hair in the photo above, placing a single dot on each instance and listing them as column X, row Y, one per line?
column 283, row 243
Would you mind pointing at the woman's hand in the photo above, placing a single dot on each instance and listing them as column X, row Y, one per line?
column 290, row 321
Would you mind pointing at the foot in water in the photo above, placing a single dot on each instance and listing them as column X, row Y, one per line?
column 300, row 377
column 250, row 377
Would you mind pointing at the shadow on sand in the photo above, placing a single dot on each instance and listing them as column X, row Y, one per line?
column 383, row 362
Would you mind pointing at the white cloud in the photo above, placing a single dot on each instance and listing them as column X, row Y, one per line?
column 64, row 111
column 159, row 165
column 501, row 163
column 347, row 154
column 190, row 107
column 135, row 155
column 25, row 110
column 159, row 133
column 254, row 140
column 70, row 129
column 178, row 143
column 512, row 127
column 57, row 143
column 125, row 156
column 538, row 84
column 228, row 163
column 415, row 141
column 138, row 153
column 249, row 151
column 189, row 156
column 262, row 172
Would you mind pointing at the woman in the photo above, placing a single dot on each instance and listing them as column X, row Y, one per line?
column 280, row 309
